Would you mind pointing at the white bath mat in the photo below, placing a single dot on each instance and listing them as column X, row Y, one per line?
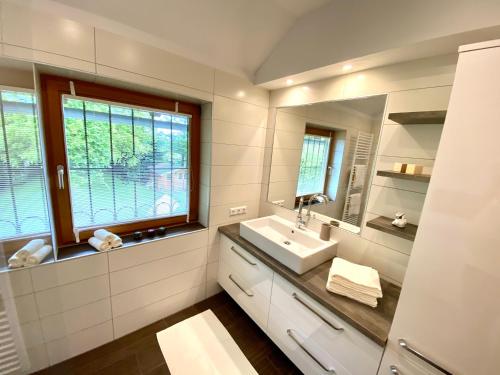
column 201, row 345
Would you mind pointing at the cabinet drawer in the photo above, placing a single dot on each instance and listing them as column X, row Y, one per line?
column 255, row 274
column 356, row 352
column 247, row 294
column 301, row 348
column 397, row 362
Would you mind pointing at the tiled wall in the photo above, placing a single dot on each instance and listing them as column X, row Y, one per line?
column 69, row 307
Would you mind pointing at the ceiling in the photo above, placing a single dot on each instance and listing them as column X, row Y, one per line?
column 233, row 35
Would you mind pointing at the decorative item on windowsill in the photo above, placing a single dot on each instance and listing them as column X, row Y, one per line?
column 161, row 231
column 400, row 220
column 137, row 236
column 414, row 169
column 151, row 233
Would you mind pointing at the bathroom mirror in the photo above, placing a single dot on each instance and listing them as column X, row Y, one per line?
column 323, row 155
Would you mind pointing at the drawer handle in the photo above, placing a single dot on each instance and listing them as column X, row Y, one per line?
column 243, row 257
column 290, row 333
column 394, row 370
column 249, row 294
column 416, row 353
column 295, row 295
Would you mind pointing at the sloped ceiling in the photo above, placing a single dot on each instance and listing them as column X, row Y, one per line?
column 233, row 35
column 358, row 29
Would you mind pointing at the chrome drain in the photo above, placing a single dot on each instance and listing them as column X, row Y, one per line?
column 287, row 242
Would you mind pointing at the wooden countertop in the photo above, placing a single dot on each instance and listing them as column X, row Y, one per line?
column 372, row 322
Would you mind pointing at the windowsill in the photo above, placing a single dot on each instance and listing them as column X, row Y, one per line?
column 84, row 249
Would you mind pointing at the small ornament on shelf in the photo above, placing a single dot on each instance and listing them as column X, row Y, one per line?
column 400, row 220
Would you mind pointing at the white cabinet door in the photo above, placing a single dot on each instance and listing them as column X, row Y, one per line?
column 449, row 307
column 42, row 37
column 246, row 280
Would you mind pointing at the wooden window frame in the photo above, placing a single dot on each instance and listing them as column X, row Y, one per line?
column 52, row 90
column 330, row 133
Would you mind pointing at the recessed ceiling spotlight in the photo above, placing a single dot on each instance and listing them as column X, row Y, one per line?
column 289, row 82
column 240, row 94
column 347, row 67
column 305, row 88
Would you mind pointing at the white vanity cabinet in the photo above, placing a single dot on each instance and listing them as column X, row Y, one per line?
column 449, row 307
column 247, row 280
column 314, row 338
column 330, row 340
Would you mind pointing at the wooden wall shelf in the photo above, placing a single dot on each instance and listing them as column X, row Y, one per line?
column 404, row 176
column 384, row 224
column 418, row 118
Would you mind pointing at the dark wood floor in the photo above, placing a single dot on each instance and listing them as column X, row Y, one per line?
column 139, row 354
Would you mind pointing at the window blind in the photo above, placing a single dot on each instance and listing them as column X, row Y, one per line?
column 125, row 163
column 23, row 199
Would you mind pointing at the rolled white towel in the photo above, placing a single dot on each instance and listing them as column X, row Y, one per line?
column 15, row 261
column 30, row 248
column 99, row 244
column 39, row 256
column 112, row 239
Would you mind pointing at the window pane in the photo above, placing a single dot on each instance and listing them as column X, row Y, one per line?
column 125, row 163
column 313, row 164
column 23, row 201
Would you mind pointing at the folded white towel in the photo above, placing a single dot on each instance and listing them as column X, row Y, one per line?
column 112, row 239
column 360, row 278
column 30, row 248
column 39, row 255
column 354, row 204
column 360, row 297
column 15, row 261
column 99, row 244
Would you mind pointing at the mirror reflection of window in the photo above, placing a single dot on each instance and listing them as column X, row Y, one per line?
column 320, row 163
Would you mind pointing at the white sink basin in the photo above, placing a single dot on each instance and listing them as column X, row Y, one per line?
column 298, row 249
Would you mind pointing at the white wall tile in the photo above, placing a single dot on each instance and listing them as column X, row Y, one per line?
column 151, row 313
column 70, row 296
column 238, row 112
column 59, row 325
column 220, row 214
column 32, row 334
column 213, row 288
column 410, row 141
column 19, row 282
column 143, row 274
column 223, row 154
column 212, row 269
column 290, row 122
column 238, row 88
column 213, row 252
column 237, row 134
column 221, row 195
column 38, row 357
column 387, row 201
column 131, row 256
column 79, row 342
column 64, row 272
column 137, row 298
column 128, row 55
column 26, row 308
column 232, row 175
column 288, row 140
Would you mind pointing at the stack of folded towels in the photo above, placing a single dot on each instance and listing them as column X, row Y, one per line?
column 34, row 252
column 104, row 240
column 352, row 280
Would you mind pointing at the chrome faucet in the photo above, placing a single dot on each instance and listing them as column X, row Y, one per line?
column 301, row 223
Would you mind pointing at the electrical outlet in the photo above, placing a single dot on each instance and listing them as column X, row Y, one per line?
column 241, row 210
